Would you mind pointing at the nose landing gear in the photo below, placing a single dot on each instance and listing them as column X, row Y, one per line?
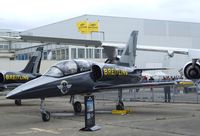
column 18, row 102
column 45, row 114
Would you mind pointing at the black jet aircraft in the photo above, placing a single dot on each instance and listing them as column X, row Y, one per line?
column 10, row 80
column 81, row 77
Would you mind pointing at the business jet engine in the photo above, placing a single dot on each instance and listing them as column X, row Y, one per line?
column 192, row 70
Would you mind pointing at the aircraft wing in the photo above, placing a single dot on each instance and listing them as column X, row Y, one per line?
column 138, row 85
column 9, row 38
column 193, row 53
column 9, row 86
column 54, row 40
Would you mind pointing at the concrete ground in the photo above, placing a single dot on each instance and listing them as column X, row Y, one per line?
column 146, row 119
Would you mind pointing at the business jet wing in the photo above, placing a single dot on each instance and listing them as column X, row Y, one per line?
column 193, row 53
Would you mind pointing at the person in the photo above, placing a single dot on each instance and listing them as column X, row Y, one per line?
column 151, row 79
column 167, row 92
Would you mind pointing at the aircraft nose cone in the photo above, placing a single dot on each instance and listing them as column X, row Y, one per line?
column 14, row 94
column 31, row 89
column 10, row 96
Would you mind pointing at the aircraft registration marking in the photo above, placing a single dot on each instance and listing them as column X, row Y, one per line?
column 17, row 77
column 114, row 72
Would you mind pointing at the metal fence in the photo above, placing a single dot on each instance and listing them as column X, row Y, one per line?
column 189, row 95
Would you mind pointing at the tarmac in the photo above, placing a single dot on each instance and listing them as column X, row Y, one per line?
column 145, row 119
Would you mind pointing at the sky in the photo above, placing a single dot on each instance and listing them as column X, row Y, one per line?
column 22, row 15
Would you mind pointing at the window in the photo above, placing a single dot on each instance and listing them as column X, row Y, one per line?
column 83, row 65
column 53, row 55
column 67, row 54
column 5, row 47
column 62, row 54
column 73, row 53
column 97, row 53
column 89, row 53
column 54, row 72
column 67, row 67
column 81, row 53
column 120, row 51
column 58, row 56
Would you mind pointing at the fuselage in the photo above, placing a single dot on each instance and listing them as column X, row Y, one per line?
column 73, row 77
column 10, row 80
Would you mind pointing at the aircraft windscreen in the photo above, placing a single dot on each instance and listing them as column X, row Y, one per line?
column 83, row 65
column 54, row 72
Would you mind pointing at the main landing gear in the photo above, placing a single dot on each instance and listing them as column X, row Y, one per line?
column 76, row 105
column 18, row 102
column 120, row 104
column 45, row 114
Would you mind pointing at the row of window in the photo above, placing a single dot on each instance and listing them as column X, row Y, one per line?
column 69, row 53
column 75, row 53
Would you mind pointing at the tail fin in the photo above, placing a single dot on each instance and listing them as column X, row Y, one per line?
column 129, row 53
column 33, row 65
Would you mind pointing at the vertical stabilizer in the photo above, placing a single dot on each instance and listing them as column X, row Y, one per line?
column 33, row 65
column 129, row 53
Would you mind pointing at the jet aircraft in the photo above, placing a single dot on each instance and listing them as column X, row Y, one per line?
column 10, row 80
column 81, row 77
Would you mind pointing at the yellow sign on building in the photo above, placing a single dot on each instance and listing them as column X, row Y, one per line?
column 86, row 27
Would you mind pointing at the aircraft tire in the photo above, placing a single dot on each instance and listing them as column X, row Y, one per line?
column 77, row 107
column 120, row 106
column 46, row 116
column 18, row 102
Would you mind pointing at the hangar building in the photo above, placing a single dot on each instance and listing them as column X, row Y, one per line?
column 117, row 29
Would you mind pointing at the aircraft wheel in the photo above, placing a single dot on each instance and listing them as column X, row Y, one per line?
column 46, row 116
column 120, row 106
column 77, row 107
column 18, row 102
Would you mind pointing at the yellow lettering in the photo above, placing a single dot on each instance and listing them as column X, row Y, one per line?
column 17, row 77
column 109, row 71
column 7, row 77
column 114, row 72
column 105, row 72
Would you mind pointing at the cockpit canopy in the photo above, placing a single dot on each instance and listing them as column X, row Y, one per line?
column 68, row 67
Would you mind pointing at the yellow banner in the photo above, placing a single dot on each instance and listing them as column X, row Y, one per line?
column 93, row 26
column 83, row 27
column 86, row 27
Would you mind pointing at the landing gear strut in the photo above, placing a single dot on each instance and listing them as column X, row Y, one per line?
column 45, row 114
column 120, row 104
column 18, row 102
column 76, row 105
